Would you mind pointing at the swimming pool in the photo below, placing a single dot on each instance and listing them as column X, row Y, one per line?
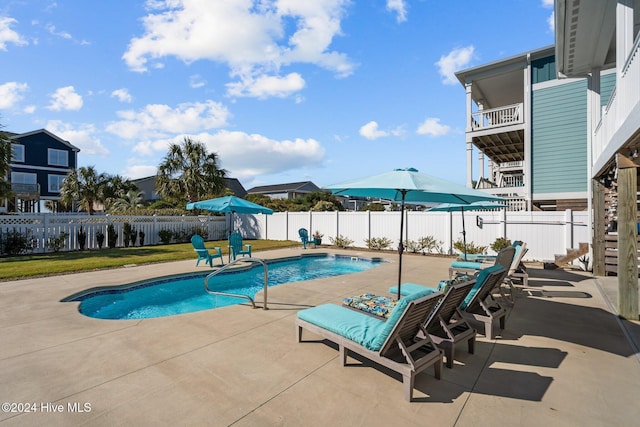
column 168, row 296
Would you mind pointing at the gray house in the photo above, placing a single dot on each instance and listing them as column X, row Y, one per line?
column 148, row 187
column 291, row 190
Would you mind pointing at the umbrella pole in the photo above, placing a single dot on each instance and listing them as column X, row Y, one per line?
column 464, row 234
column 401, row 245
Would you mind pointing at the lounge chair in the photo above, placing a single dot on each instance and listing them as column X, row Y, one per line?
column 392, row 343
column 203, row 253
column 236, row 247
column 504, row 258
column 304, row 238
column 479, row 305
column 448, row 326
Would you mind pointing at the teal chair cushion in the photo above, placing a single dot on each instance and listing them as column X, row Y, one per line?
column 368, row 331
column 480, row 279
column 410, row 289
column 467, row 264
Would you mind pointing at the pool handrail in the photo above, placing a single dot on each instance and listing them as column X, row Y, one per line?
column 250, row 259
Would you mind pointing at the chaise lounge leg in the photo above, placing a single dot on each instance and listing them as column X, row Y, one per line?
column 471, row 344
column 488, row 329
column 437, row 369
column 299, row 333
column 407, row 383
column 343, row 354
column 503, row 321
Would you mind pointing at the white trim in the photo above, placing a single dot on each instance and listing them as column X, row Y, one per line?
column 555, row 82
column 572, row 195
column 41, row 168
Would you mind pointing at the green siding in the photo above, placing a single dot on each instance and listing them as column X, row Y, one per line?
column 607, row 83
column 543, row 69
column 559, row 138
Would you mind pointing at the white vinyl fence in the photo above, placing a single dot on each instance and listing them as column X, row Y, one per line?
column 546, row 233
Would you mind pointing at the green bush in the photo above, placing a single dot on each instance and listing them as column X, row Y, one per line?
column 341, row 241
column 112, row 236
column 471, row 248
column 141, row 235
column 82, row 238
column 424, row 245
column 165, row 236
column 129, row 235
column 100, row 238
column 15, row 242
column 500, row 244
column 378, row 243
column 56, row 243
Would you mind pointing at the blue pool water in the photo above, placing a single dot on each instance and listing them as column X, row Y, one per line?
column 185, row 293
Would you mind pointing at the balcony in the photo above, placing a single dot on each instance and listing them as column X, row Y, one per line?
column 624, row 100
column 26, row 191
column 497, row 117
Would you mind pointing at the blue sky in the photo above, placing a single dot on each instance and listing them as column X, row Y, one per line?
column 281, row 90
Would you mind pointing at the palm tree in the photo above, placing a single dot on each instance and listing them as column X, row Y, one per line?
column 189, row 172
column 84, row 186
column 115, row 187
column 129, row 202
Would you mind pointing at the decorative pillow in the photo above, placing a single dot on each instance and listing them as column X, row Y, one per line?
column 372, row 303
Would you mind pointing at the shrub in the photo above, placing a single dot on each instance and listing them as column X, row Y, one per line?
column 100, row 238
column 165, row 236
column 112, row 236
column 341, row 241
column 56, row 243
column 471, row 248
column 129, row 235
column 15, row 242
column 500, row 244
column 82, row 238
column 141, row 235
column 424, row 245
column 378, row 243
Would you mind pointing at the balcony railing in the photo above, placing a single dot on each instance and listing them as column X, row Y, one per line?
column 510, row 166
column 625, row 96
column 497, row 117
column 25, row 189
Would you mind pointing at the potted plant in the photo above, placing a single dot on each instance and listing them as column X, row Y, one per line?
column 317, row 237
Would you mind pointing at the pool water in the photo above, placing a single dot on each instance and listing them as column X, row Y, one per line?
column 173, row 295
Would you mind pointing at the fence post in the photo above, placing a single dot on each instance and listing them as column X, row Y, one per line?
column 568, row 228
column 504, row 223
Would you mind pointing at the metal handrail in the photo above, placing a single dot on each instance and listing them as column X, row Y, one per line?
column 266, row 281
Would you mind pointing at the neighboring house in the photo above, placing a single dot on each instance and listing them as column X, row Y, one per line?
column 40, row 162
column 148, row 187
column 531, row 129
column 593, row 38
column 290, row 190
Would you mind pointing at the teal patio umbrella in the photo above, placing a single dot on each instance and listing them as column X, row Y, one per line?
column 409, row 185
column 475, row 206
column 231, row 205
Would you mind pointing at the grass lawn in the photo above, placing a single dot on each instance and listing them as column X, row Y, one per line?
column 25, row 266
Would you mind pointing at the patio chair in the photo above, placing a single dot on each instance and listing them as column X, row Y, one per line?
column 304, row 238
column 480, row 307
column 203, row 253
column 236, row 247
column 504, row 258
column 448, row 327
column 393, row 343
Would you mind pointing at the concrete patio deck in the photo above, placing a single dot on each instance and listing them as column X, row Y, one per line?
column 564, row 359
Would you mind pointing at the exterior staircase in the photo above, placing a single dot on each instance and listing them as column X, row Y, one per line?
column 572, row 254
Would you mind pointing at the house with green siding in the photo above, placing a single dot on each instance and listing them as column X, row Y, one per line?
column 526, row 131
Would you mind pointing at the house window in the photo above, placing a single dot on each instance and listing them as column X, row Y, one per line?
column 23, row 178
column 55, row 182
column 17, row 153
column 58, row 157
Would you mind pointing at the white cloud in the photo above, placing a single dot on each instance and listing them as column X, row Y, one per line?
column 547, row 4
column 123, row 95
column 247, row 155
column 11, row 93
column 139, row 171
column 399, row 7
column 454, row 61
column 267, row 86
column 551, row 21
column 7, row 35
column 196, row 81
column 255, row 39
column 161, row 121
column 371, row 131
column 65, row 98
column 432, row 127
column 82, row 137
